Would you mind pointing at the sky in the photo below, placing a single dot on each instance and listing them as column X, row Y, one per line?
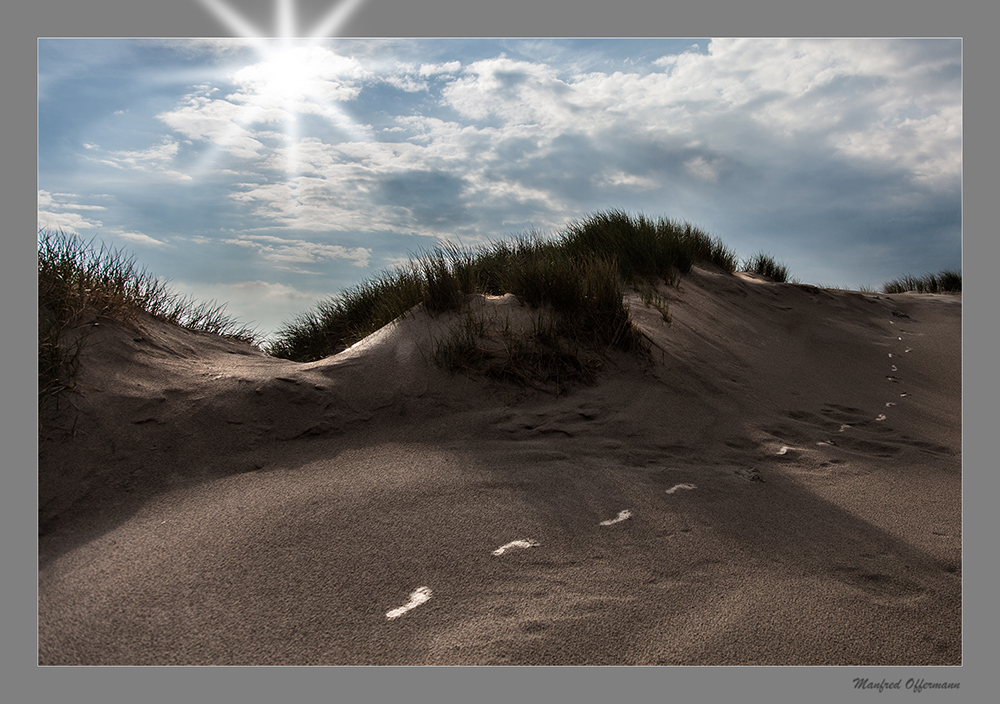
column 271, row 174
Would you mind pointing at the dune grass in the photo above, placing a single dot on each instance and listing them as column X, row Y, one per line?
column 576, row 281
column 947, row 281
column 542, row 356
column 79, row 284
column 766, row 265
column 581, row 274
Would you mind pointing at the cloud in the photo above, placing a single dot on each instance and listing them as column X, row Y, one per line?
column 203, row 118
column 289, row 252
column 262, row 304
column 262, row 290
column 519, row 92
column 154, row 160
column 59, row 211
column 138, row 238
column 480, row 145
column 450, row 67
column 701, row 168
column 929, row 147
column 859, row 96
column 406, row 83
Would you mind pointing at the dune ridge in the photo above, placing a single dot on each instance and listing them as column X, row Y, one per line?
column 789, row 458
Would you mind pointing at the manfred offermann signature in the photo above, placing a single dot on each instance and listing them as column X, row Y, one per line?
column 914, row 685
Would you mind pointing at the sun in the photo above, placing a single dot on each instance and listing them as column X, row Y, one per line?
column 285, row 75
column 292, row 74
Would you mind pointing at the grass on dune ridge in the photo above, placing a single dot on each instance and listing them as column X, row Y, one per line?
column 947, row 281
column 579, row 276
column 765, row 265
column 79, row 284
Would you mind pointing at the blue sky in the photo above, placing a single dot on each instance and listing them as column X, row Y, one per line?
column 270, row 174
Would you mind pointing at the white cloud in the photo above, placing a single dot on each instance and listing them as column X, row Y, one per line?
column 154, row 160
column 706, row 170
column 929, row 147
column 784, row 87
column 260, row 304
column 59, row 211
column 619, row 179
column 870, row 99
column 218, row 121
column 515, row 91
column 406, row 83
column 265, row 290
column 289, row 251
column 138, row 238
column 449, row 67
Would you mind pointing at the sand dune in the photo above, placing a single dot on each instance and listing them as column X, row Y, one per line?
column 778, row 484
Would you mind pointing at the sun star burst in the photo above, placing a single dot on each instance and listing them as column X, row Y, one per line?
column 291, row 76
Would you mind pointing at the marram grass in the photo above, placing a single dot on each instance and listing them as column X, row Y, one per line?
column 579, row 278
column 947, row 281
column 766, row 265
column 79, row 284
column 576, row 281
column 582, row 274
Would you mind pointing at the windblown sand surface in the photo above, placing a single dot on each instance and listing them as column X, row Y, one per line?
column 780, row 484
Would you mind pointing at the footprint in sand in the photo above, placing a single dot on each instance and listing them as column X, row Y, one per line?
column 622, row 516
column 675, row 487
column 516, row 544
column 418, row 597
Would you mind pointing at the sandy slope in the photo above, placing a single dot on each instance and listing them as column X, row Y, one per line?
column 790, row 459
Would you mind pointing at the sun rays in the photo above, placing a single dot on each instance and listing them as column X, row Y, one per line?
column 285, row 19
column 294, row 75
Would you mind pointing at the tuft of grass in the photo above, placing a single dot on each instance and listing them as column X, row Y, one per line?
column 947, row 281
column 765, row 265
column 651, row 298
column 543, row 357
column 79, row 283
column 646, row 249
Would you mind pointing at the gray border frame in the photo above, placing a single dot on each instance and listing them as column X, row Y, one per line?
column 24, row 681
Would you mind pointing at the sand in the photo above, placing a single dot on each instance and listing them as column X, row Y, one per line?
column 779, row 483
